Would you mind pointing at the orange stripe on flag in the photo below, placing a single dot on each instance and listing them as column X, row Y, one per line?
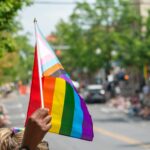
column 48, row 92
column 53, row 69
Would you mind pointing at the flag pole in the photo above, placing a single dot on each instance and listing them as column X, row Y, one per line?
column 39, row 68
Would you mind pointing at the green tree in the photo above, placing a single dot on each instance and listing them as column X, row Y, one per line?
column 11, row 45
column 8, row 23
column 17, row 65
column 109, row 26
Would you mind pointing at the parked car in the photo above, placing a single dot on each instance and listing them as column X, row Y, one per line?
column 94, row 93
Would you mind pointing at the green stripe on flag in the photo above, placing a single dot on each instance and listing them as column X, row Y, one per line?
column 68, row 112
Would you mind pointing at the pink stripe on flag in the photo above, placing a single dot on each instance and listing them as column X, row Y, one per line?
column 40, row 38
column 47, row 58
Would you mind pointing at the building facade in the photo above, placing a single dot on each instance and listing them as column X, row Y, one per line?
column 143, row 6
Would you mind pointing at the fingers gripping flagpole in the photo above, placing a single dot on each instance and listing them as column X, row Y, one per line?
column 39, row 68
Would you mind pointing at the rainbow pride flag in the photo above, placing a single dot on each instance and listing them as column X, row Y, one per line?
column 52, row 88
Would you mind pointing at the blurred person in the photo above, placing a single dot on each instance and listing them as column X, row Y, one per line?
column 37, row 126
column 119, row 102
column 146, row 89
column 113, row 84
column 145, row 111
column 4, row 120
column 135, row 103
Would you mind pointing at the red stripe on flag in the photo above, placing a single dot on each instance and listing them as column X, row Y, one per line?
column 35, row 98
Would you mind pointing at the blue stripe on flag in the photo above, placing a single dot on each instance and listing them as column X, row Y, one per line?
column 78, row 118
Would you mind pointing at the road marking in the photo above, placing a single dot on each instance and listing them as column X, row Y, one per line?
column 122, row 138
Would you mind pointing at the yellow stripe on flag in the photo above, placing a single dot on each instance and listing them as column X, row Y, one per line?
column 58, row 105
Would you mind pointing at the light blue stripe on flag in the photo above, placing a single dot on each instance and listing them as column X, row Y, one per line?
column 49, row 64
column 78, row 118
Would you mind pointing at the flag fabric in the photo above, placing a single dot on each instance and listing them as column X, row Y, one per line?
column 69, row 113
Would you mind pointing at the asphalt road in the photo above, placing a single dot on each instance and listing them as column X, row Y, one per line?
column 113, row 129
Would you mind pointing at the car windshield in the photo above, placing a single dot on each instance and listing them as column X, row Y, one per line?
column 94, row 91
column 94, row 87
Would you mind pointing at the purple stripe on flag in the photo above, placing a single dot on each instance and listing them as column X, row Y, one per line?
column 64, row 76
column 87, row 126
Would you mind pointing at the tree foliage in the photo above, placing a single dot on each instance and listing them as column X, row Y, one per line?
column 13, row 65
column 8, row 23
column 113, row 27
column 17, row 65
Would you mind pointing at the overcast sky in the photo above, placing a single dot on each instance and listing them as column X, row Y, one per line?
column 47, row 15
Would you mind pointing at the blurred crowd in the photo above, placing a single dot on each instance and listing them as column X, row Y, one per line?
column 6, row 91
column 134, row 97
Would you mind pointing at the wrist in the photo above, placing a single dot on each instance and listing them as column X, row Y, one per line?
column 24, row 148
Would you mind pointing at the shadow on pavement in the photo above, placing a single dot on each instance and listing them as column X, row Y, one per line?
column 142, row 144
column 110, row 120
column 119, row 119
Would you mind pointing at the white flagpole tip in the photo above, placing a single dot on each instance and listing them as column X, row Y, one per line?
column 35, row 21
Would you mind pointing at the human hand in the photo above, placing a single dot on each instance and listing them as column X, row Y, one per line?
column 37, row 126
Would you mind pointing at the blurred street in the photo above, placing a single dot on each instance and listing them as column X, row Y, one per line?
column 113, row 129
column 102, row 47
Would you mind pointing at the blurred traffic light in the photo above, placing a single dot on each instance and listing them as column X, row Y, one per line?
column 126, row 77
